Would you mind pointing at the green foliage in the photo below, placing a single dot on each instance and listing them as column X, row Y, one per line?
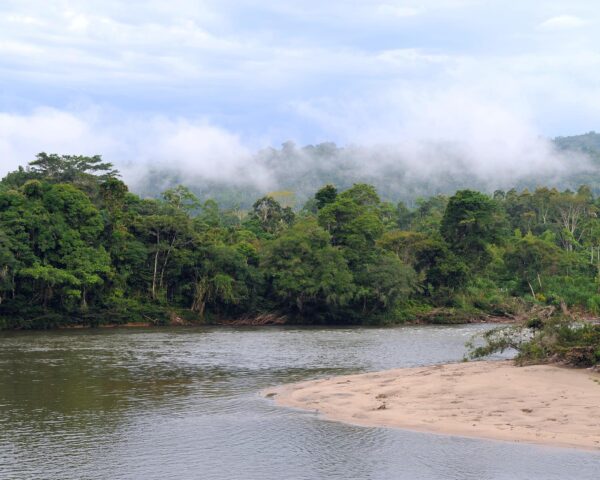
column 428, row 215
column 559, row 339
column 471, row 222
column 382, row 283
column 306, row 273
column 270, row 216
column 530, row 258
column 181, row 198
column 354, row 221
column 484, row 296
column 69, row 168
column 573, row 290
column 325, row 196
column 76, row 247
column 498, row 340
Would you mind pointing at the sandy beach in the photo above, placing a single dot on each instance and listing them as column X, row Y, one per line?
column 496, row 400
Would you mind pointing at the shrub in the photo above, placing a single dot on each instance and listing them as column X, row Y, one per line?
column 559, row 339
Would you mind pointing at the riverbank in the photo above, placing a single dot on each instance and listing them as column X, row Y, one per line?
column 260, row 320
column 495, row 400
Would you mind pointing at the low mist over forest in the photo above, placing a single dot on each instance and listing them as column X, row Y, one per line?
column 403, row 172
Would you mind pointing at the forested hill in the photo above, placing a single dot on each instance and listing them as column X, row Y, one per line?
column 294, row 173
column 588, row 143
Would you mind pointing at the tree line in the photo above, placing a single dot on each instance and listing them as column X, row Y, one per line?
column 76, row 247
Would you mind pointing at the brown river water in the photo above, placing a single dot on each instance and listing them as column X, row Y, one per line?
column 184, row 403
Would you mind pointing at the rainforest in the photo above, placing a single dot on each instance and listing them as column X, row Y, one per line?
column 77, row 248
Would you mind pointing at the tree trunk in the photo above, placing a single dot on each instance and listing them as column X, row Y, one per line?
column 164, row 266
column 200, row 297
column 531, row 288
column 154, row 274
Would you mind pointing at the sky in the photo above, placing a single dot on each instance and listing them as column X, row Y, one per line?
column 204, row 83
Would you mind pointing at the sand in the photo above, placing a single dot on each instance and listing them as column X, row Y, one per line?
column 495, row 400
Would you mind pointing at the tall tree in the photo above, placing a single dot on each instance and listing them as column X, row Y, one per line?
column 471, row 222
column 270, row 215
column 325, row 196
column 307, row 274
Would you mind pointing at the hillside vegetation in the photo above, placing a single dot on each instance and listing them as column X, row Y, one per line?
column 438, row 169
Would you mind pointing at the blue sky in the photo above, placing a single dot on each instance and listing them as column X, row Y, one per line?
column 147, row 80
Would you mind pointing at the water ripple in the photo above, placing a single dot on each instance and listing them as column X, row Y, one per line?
column 184, row 404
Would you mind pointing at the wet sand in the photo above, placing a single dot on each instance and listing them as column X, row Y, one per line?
column 495, row 400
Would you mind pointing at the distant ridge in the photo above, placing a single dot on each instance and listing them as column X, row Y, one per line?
column 300, row 171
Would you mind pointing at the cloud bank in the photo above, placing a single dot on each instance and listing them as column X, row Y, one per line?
column 427, row 139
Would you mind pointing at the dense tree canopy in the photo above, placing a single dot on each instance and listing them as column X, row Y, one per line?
column 77, row 247
column 470, row 223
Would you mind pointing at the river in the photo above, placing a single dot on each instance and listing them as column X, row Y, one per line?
column 184, row 403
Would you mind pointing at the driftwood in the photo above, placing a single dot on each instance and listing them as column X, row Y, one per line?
column 257, row 320
column 449, row 315
column 177, row 321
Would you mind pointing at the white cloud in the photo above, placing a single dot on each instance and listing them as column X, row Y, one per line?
column 562, row 22
column 24, row 135
column 412, row 55
column 77, row 22
column 25, row 20
column 94, row 47
column 400, row 11
column 194, row 148
column 427, row 136
column 456, row 129
column 339, row 70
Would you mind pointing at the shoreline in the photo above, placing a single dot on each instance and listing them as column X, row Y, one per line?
column 494, row 400
column 262, row 322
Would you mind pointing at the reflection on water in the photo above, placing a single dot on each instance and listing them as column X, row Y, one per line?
column 184, row 404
